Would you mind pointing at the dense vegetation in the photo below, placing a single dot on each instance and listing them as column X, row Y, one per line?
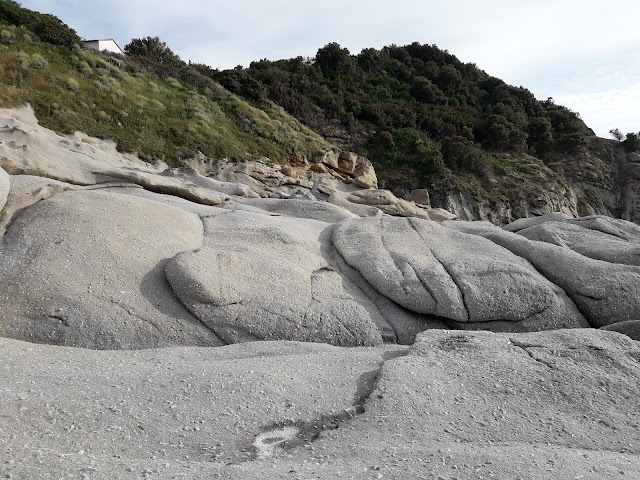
column 414, row 107
column 159, row 108
column 423, row 117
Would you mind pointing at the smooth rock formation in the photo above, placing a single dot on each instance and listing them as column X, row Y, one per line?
column 434, row 270
column 604, row 292
column 259, row 277
column 588, row 242
column 101, row 250
column 460, row 405
column 85, row 268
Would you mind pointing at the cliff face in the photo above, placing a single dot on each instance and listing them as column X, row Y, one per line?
column 602, row 180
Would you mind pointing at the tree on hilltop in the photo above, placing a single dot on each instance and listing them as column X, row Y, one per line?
column 151, row 48
column 617, row 134
column 632, row 142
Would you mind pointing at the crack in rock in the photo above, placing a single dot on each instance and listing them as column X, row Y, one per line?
column 288, row 435
column 524, row 347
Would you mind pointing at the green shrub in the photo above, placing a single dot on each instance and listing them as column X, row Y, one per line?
column 47, row 27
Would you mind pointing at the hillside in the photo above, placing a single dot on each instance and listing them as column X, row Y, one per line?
column 484, row 149
column 425, row 119
column 145, row 111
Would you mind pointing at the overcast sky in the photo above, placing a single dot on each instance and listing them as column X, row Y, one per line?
column 583, row 53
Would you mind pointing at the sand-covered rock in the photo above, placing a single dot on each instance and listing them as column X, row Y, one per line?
column 460, row 405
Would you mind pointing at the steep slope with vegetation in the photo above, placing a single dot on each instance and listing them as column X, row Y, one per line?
column 165, row 111
column 483, row 148
column 427, row 119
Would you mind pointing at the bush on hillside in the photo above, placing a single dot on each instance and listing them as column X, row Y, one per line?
column 47, row 27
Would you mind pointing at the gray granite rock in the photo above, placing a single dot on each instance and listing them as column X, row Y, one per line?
column 604, row 292
column 630, row 328
column 260, row 277
column 460, row 405
column 431, row 269
column 86, row 269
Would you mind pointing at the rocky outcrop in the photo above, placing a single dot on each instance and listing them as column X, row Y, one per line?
column 105, row 252
column 85, row 268
column 601, row 180
column 431, row 269
column 456, row 405
column 127, row 255
column 604, row 292
column 258, row 277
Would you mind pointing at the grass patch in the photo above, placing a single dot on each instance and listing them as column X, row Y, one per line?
column 110, row 97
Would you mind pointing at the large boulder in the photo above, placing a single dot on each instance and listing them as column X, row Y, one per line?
column 86, row 269
column 260, row 277
column 431, row 269
column 364, row 175
column 604, row 292
column 586, row 241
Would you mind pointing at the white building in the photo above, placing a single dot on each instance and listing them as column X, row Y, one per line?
column 107, row 45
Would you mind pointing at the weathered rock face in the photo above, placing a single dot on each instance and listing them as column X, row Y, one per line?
column 469, row 208
column 85, row 268
column 180, row 259
column 603, row 183
column 604, row 292
column 264, row 278
column 434, row 270
column 456, row 404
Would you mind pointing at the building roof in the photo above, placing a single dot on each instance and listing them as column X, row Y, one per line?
column 105, row 40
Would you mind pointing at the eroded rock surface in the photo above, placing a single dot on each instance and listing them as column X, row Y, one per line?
column 431, row 269
column 85, row 268
column 459, row 405
column 604, row 292
column 259, row 277
column 102, row 250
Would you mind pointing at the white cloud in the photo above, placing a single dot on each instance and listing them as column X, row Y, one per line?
column 604, row 110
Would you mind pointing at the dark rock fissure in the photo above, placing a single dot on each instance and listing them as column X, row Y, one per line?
column 347, row 272
column 524, row 347
column 309, row 431
column 451, row 275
